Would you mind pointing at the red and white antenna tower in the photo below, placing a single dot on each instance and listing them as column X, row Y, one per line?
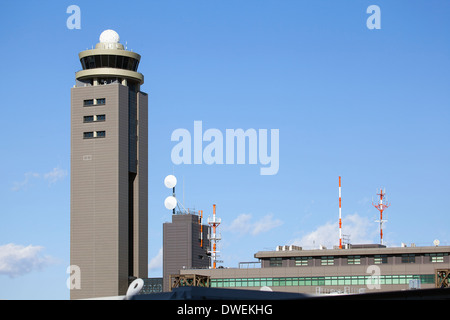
column 381, row 206
column 340, row 216
column 214, row 237
column 201, row 227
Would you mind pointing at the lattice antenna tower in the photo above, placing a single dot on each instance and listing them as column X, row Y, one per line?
column 214, row 237
column 381, row 206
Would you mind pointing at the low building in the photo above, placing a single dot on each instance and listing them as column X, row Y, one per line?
column 354, row 269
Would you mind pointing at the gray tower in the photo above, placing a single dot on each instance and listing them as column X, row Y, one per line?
column 185, row 245
column 109, row 156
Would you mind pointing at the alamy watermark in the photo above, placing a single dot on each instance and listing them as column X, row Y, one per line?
column 74, row 279
column 374, row 21
column 373, row 281
column 238, row 143
column 74, row 20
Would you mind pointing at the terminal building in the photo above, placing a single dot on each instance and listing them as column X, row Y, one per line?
column 353, row 269
column 347, row 269
column 343, row 269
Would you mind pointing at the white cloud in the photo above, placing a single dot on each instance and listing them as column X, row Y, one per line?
column 156, row 262
column 265, row 224
column 359, row 229
column 25, row 183
column 55, row 175
column 52, row 177
column 17, row 260
column 243, row 224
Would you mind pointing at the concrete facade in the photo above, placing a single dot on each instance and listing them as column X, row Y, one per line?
column 182, row 246
column 109, row 181
column 353, row 270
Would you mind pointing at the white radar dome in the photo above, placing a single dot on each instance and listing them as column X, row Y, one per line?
column 170, row 181
column 109, row 36
column 170, row 202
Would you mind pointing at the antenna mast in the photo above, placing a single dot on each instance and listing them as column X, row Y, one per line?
column 381, row 207
column 201, row 228
column 214, row 222
column 340, row 216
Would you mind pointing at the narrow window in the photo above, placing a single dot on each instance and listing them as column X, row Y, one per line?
column 380, row 259
column 101, row 134
column 88, row 135
column 88, row 119
column 436, row 257
column 302, row 261
column 89, row 102
column 275, row 262
column 119, row 62
column 125, row 63
column 104, row 59
column 327, row 261
column 354, row 260
column 90, row 62
column 408, row 258
column 98, row 63
column 112, row 61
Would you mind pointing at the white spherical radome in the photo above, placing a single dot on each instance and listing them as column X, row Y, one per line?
column 109, row 36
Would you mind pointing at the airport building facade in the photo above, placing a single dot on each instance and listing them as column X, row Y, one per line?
column 354, row 269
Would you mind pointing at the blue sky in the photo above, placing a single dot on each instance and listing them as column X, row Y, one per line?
column 371, row 106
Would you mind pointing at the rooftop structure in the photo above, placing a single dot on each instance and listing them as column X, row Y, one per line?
column 185, row 245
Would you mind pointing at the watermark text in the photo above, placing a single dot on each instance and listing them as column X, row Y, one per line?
column 239, row 147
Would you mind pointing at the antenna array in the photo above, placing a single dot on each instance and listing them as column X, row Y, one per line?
column 380, row 206
column 214, row 236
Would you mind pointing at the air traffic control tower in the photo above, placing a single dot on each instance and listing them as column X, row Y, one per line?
column 109, row 168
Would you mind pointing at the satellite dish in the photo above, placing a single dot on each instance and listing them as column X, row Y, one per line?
column 170, row 202
column 135, row 287
column 436, row 242
column 170, row 181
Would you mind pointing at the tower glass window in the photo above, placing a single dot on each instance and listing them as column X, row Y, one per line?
column 88, row 135
column 88, row 118
column 109, row 61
